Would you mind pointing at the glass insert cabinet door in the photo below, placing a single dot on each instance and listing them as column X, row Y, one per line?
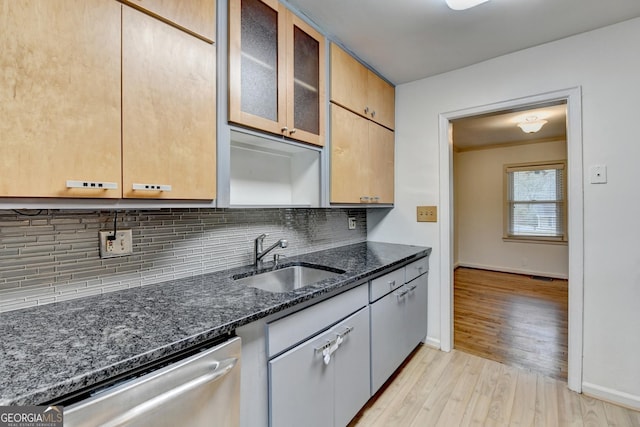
column 276, row 71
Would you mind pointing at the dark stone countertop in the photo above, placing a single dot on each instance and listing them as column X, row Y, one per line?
column 56, row 349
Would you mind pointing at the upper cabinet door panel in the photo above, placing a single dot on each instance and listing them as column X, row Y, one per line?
column 276, row 71
column 381, row 160
column 305, row 89
column 59, row 97
column 382, row 101
column 256, row 64
column 195, row 16
column 348, row 81
column 349, row 156
column 169, row 116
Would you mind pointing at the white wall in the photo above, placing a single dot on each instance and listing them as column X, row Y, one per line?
column 478, row 193
column 606, row 64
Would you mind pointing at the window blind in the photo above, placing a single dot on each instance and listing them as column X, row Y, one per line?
column 536, row 200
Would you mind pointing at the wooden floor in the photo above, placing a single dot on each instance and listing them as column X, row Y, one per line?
column 512, row 319
column 435, row 388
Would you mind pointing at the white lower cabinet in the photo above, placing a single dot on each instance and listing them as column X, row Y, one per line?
column 309, row 389
column 416, row 301
column 398, row 325
column 388, row 343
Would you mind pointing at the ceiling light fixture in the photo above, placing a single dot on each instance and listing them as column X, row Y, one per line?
column 531, row 124
column 463, row 4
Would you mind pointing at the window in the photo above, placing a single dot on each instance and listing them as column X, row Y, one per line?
column 535, row 201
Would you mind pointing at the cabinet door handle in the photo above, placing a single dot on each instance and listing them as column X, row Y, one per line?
column 151, row 187
column 401, row 293
column 284, row 129
column 375, row 199
column 92, row 185
column 373, row 113
column 364, row 198
column 412, row 288
column 366, row 110
column 326, row 345
column 292, row 131
column 344, row 333
column 392, row 283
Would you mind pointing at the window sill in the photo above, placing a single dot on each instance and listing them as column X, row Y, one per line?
column 538, row 240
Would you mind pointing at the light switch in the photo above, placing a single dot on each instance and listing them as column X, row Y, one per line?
column 427, row 214
column 598, row 174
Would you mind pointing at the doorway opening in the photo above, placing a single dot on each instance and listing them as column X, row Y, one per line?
column 520, row 263
column 510, row 240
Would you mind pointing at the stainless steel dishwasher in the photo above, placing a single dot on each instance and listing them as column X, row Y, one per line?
column 200, row 390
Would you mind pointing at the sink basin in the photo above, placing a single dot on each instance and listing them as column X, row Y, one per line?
column 288, row 278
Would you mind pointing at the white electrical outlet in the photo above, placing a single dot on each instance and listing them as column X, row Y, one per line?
column 352, row 223
column 120, row 246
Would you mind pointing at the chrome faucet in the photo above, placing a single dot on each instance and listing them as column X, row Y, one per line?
column 259, row 252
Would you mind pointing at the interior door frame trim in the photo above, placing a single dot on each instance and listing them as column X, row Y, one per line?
column 573, row 98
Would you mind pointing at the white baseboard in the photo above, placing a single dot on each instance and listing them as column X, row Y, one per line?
column 432, row 342
column 614, row 396
column 513, row 270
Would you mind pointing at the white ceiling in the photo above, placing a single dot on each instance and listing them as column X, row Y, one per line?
column 502, row 127
column 406, row 40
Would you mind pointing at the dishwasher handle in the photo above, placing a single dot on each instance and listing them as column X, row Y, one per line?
column 221, row 369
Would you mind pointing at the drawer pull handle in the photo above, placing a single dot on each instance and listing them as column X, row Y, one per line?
column 412, row 288
column 151, row 187
column 392, row 283
column 92, row 185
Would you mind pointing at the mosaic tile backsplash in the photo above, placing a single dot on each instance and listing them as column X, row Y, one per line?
column 54, row 255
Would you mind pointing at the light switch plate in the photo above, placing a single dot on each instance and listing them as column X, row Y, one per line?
column 598, row 174
column 122, row 245
column 427, row 214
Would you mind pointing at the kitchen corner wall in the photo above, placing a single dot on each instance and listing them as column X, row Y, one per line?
column 54, row 255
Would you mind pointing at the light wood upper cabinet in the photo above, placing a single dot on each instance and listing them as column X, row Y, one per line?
column 382, row 101
column 349, row 156
column 276, row 71
column 381, row 163
column 59, row 98
column 360, row 90
column 169, row 116
column 362, row 159
column 195, row 16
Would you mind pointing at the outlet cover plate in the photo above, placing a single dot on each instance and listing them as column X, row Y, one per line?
column 121, row 246
column 427, row 214
column 352, row 223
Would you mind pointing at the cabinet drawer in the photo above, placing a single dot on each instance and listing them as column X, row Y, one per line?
column 416, row 268
column 288, row 331
column 385, row 284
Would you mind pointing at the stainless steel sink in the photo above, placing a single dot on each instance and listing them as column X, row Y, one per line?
column 288, row 278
